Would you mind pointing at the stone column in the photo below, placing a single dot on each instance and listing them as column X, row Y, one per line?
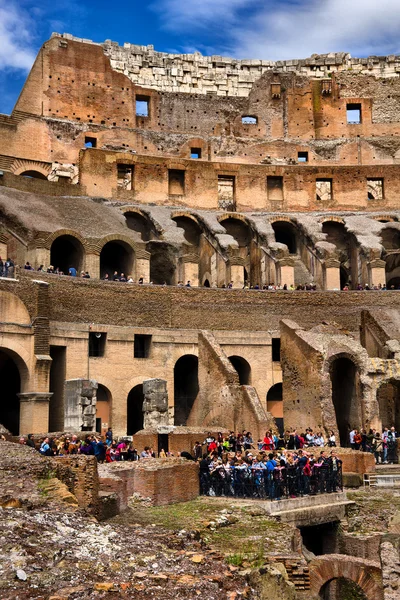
column 376, row 272
column 92, row 265
column 332, row 274
column 80, row 405
column 142, row 266
column 285, row 271
column 190, row 269
column 155, row 403
column 34, row 412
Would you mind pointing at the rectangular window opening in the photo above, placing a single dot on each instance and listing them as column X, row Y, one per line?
column 141, row 346
column 142, row 106
column 97, row 343
column 195, row 152
column 276, row 349
column 375, row 188
column 176, row 182
column 226, row 192
column 323, row 189
column 275, row 187
column 124, row 176
column 302, row 157
column 90, row 142
column 353, row 112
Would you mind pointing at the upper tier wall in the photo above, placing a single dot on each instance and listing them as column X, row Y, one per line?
column 223, row 75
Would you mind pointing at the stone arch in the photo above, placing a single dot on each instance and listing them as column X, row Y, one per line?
column 103, row 408
column 13, row 310
column 186, row 387
column 191, row 228
column 385, row 218
column 390, row 237
column 117, row 254
column 137, row 221
column 14, row 376
column 346, row 245
column 22, row 167
column 275, row 404
column 388, row 398
column 163, row 262
column 333, row 219
column 67, row 250
column 134, row 413
column 366, row 574
column 157, row 228
column 286, row 232
column 345, row 378
column 243, row 369
column 238, row 228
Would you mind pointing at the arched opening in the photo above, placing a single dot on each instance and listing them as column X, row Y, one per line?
column 346, row 247
column 10, row 388
column 206, row 283
column 191, row 229
column 286, row 233
column 116, row 256
column 390, row 238
column 345, row 396
column 320, row 539
column 135, row 410
column 140, row 224
column 388, row 396
column 162, row 263
column 340, row 589
column 239, row 230
column 186, row 387
column 393, row 283
column 67, row 251
column 275, row 404
column 33, row 175
column 103, row 409
column 242, row 368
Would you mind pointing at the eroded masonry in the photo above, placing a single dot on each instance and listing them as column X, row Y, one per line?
column 279, row 178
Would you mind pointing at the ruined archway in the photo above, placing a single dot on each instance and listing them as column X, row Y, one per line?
column 186, row 387
column 341, row 588
column 191, row 229
column 390, row 237
column 135, row 410
column 10, row 388
column 162, row 263
column 388, row 397
column 33, row 174
column 67, row 251
column 242, row 368
column 238, row 229
column 366, row 574
column 103, row 409
column 345, row 381
column 140, row 224
column 346, row 247
column 286, row 233
column 116, row 256
column 275, row 404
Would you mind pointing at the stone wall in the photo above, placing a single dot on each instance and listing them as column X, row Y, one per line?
column 80, row 475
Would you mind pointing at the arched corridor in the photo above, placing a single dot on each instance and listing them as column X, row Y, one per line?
column 186, row 387
column 67, row 251
column 10, row 388
column 140, row 224
column 341, row 588
column 116, row 256
column 345, row 382
column 162, row 263
column 345, row 243
column 286, row 233
column 135, row 410
column 242, row 368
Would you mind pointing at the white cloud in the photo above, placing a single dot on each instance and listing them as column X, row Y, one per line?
column 16, row 39
column 289, row 29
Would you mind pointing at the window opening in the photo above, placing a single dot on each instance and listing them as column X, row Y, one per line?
column 195, row 152
column 375, row 188
column 276, row 349
column 247, row 120
column 141, row 346
column 97, row 343
column 90, row 142
column 142, row 106
column 324, row 189
column 302, row 157
column 275, row 188
column 353, row 112
column 226, row 192
column 176, row 182
column 124, row 176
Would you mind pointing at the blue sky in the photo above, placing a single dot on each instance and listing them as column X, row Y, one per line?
column 270, row 29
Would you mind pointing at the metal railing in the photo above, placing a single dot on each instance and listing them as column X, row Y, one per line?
column 282, row 482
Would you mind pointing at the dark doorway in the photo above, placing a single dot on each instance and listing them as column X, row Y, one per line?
column 33, row 175
column 162, row 263
column 275, row 405
column 186, row 387
column 341, row 589
column 388, row 397
column 206, row 283
column 57, row 380
column 116, row 256
column 103, row 409
column 345, row 397
column 135, row 410
column 10, row 388
column 66, row 251
column 242, row 368
column 163, row 441
column 285, row 233
column 320, row 539
column 344, row 277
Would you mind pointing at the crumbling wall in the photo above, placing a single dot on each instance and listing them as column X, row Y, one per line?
column 80, row 475
column 80, row 404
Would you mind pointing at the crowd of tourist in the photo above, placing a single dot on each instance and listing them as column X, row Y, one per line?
column 382, row 445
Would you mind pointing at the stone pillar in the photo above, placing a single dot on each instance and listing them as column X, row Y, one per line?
column 80, row 405
column 190, row 270
column 155, row 403
column 332, row 274
column 142, row 266
column 34, row 412
column 285, row 271
column 92, row 265
column 376, row 272
column 237, row 276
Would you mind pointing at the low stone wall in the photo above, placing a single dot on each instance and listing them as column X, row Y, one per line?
column 161, row 481
column 80, row 475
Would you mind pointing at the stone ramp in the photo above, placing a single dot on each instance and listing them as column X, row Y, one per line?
column 310, row 510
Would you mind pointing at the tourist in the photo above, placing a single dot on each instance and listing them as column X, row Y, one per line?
column 72, row 272
column 30, row 441
column 109, row 436
column 28, row 266
column 45, row 449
